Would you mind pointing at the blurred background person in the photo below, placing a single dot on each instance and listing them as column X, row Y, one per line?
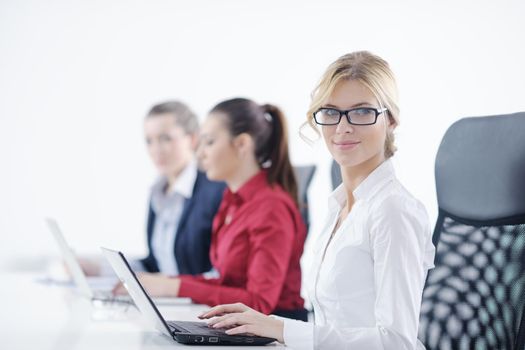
column 182, row 202
column 258, row 232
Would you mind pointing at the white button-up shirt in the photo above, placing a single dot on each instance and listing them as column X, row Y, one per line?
column 366, row 293
column 168, row 209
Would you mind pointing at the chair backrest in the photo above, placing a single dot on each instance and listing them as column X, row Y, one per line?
column 335, row 174
column 304, row 175
column 475, row 296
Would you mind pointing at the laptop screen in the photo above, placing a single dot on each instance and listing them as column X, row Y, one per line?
column 70, row 259
column 136, row 291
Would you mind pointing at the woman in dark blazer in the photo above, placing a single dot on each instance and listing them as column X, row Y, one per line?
column 183, row 201
column 192, row 244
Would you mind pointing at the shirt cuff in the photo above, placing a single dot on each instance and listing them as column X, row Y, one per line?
column 298, row 335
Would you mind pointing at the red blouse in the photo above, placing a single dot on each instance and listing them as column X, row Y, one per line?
column 257, row 241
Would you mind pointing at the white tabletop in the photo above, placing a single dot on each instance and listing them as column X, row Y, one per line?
column 39, row 316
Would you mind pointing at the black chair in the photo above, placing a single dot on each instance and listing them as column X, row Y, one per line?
column 335, row 174
column 475, row 296
column 304, row 175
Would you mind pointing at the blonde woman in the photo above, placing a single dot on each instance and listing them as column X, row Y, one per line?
column 372, row 257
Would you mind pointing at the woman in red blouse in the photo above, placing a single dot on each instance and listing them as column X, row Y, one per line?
column 258, row 233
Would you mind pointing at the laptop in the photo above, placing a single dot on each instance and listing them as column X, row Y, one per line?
column 184, row 332
column 95, row 288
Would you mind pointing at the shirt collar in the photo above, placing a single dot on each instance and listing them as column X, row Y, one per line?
column 247, row 190
column 184, row 183
column 186, row 180
column 367, row 188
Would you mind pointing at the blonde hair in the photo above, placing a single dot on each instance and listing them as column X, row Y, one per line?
column 371, row 71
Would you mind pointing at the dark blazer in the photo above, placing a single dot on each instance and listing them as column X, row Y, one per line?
column 193, row 239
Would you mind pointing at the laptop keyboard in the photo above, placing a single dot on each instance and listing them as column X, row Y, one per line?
column 194, row 328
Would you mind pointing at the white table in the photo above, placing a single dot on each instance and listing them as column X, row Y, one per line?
column 38, row 316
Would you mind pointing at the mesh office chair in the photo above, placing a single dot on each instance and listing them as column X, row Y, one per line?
column 304, row 175
column 475, row 296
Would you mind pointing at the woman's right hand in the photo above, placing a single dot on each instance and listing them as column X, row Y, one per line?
column 239, row 318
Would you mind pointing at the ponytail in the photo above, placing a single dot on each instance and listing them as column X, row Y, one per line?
column 280, row 170
column 267, row 126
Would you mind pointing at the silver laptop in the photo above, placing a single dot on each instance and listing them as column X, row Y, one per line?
column 182, row 331
column 95, row 288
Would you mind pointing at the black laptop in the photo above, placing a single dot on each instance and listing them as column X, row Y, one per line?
column 182, row 331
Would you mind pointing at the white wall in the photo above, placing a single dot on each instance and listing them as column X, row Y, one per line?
column 76, row 78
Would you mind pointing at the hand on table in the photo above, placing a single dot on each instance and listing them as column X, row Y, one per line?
column 239, row 318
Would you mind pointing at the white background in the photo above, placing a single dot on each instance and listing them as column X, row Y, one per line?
column 77, row 77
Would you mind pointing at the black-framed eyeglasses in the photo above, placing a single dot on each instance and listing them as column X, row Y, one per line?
column 354, row 116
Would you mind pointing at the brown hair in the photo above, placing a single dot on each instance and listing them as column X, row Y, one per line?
column 184, row 116
column 266, row 124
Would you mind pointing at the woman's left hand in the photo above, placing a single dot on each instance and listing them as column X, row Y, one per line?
column 155, row 284
column 239, row 318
